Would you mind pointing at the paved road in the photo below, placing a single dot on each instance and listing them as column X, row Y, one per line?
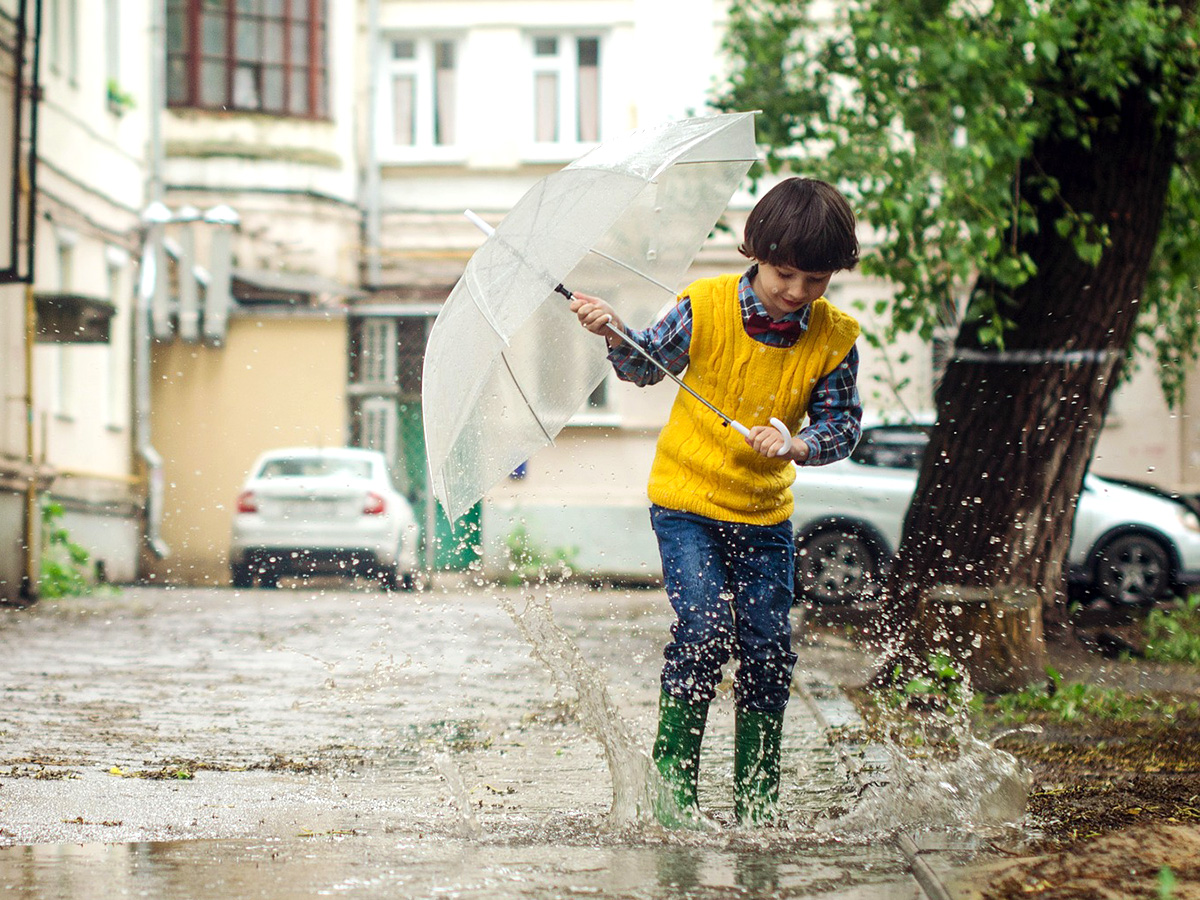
column 298, row 742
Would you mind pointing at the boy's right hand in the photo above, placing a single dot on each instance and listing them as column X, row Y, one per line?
column 595, row 315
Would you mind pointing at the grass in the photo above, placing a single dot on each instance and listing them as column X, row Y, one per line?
column 527, row 562
column 1077, row 701
column 1174, row 635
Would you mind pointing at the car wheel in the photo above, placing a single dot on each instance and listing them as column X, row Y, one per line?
column 408, row 582
column 835, row 567
column 242, row 575
column 388, row 577
column 1132, row 570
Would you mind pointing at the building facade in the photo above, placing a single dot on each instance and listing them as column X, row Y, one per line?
column 249, row 215
column 67, row 415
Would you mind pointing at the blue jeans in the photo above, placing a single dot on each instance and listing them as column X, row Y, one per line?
column 731, row 587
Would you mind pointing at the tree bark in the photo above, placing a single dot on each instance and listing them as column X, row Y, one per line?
column 995, row 500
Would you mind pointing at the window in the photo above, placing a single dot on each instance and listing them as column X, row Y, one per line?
column 314, row 467
column 420, row 92
column 598, row 398
column 378, row 427
column 377, row 352
column 64, row 354
column 566, row 89
column 892, row 446
column 253, row 55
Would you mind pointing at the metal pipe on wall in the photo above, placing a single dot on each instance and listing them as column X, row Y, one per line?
column 430, row 504
column 30, row 568
column 152, row 270
column 370, row 200
column 32, row 524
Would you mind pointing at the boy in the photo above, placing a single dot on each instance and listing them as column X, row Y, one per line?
column 764, row 344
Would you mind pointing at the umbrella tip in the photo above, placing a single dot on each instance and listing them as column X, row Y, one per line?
column 478, row 222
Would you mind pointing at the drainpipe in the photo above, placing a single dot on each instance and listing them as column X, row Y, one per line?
column 371, row 214
column 152, row 270
column 154, row 218
column 430, row 504
column 31, row 569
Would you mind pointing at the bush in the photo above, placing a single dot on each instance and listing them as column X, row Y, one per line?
column 64, row 568
column 527, row 562
column 1174, row 635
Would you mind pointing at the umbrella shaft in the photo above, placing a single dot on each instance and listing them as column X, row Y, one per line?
column 741, row 429
column 675, row 378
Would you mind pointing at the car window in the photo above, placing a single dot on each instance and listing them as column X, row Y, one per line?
column 315, row 467
column 894, row 448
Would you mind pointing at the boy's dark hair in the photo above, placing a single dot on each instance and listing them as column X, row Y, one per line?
column 802, row 223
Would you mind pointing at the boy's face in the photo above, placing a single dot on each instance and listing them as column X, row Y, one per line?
column 783, row 289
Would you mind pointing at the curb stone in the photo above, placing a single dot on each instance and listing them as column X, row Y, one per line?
column 867, row 766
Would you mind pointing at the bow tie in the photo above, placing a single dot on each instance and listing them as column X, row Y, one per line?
column 760, row 324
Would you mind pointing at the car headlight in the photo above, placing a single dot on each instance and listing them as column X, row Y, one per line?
column 1189, row 519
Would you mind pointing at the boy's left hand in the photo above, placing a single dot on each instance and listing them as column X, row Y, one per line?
column 767, row 440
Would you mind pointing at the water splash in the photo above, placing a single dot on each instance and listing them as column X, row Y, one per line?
column 948, row 779
column 458, row 793
column 635, row 781
column 982, row 788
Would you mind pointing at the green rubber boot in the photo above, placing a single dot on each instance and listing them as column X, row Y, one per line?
column 756, row 740
column 677, row 758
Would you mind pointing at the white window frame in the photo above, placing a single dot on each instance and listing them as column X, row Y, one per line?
column 117, row 394
column 565, row 65
column 377, row 352
column 422, row 68
column 379, row 429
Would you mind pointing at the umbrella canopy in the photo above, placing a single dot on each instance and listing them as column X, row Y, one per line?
column 507, row 364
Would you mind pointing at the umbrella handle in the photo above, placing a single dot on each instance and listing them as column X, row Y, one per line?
column 779, row 426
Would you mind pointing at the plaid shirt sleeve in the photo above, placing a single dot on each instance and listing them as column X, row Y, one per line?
column 834, row 414
column 667, row 340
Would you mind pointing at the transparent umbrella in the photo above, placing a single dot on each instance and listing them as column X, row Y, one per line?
column 507, row 364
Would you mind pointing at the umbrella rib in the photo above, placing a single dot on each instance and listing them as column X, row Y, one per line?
column 629, row 268
column 517, row 385
column 709, row 162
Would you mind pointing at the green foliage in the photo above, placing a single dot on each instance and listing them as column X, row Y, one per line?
column 1166, row 883
column 927, row 113
column 528, row 562
column 1174, row 635
column 118, row 100
column 64, row 568
column 1077, row 701
column 942, row 686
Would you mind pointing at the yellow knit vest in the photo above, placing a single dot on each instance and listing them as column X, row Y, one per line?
column 703, row 467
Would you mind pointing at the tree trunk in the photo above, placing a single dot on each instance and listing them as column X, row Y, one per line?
column 995, row 500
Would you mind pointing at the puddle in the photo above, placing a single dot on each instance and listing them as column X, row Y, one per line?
column 350, row 743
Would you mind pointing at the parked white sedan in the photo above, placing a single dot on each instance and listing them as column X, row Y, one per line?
column 328, row 511
column 1130, row 545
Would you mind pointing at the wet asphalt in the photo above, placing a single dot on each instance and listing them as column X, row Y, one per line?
column 330, row 740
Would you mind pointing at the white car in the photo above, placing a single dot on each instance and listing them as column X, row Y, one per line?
column 1131, row 544
column 328, row 511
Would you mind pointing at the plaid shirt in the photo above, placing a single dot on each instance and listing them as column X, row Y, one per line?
column 834, row 409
